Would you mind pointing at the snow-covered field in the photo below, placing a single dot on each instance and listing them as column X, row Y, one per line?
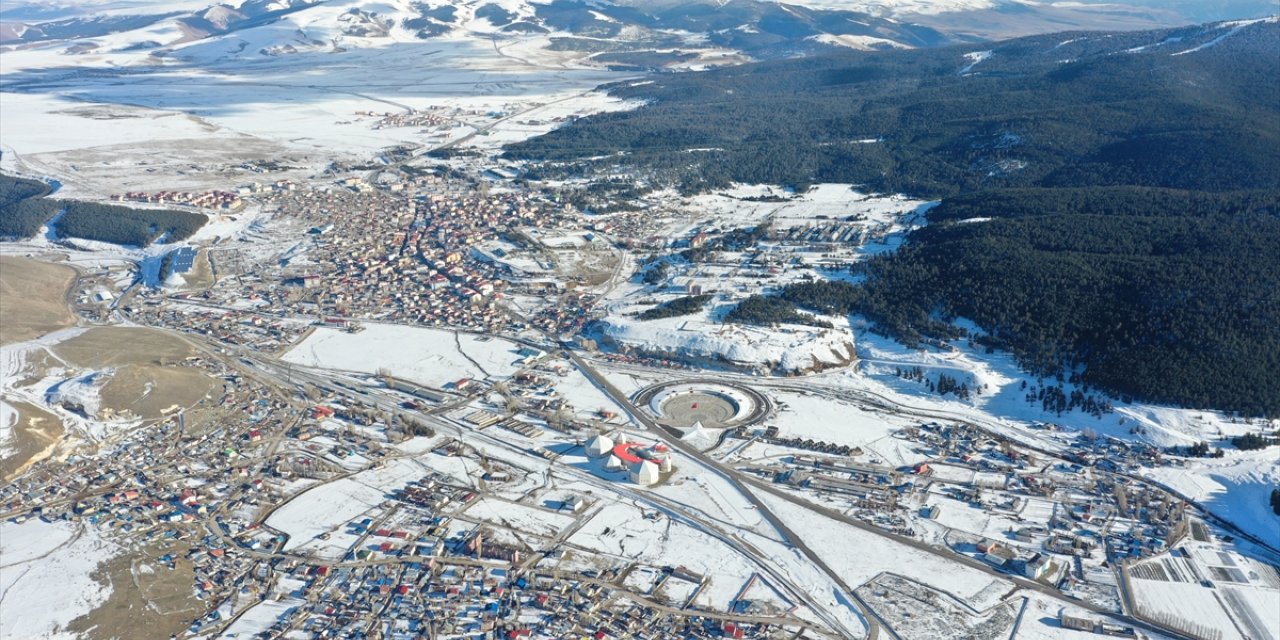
column 586, row 398
column 518, row 516
column 328, row 507
column 431, row 357
column 46, row 577
column 266, row 613
column 153, row 108
column 621, row 531
column 800, row 415
column 790, row 348
column 1237, row 487
column 873, row 555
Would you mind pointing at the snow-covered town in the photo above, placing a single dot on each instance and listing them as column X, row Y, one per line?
column 456, row 435
column 396, row 384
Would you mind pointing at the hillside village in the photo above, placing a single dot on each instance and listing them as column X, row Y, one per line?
column 332, row 487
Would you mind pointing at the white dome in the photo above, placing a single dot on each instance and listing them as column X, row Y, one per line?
column 644, row 472
column 599, row 446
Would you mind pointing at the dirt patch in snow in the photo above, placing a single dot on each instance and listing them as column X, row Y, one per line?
column 105, row 347
column 33, row 298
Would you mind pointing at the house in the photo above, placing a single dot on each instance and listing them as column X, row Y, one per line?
column 998, row 555
column 1038, row 566
column 1075, row 622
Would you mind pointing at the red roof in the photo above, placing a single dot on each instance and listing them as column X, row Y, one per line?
column 623, row 451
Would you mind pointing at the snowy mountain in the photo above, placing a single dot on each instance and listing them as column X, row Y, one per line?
column 993, row 19
column 750, row 27
column 617, row 30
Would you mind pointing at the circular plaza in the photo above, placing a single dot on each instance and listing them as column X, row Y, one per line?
column 711, row 403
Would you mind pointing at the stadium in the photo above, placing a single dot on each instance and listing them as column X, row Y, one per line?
column 713, row 404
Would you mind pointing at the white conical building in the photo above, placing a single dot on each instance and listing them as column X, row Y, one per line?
column 696, row 432
column 645, row 472
column 614, row 463
column 599, row 446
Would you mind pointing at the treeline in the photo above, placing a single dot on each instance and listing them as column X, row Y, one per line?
column 1252, row 441
column 682, row 306
column 23, row 207
column 126, row 225
column 946, row 384
column 1162, row 307
column 1162, row 303
column 908, row 121
column 1102, row 201
column 1203, row 450
column 767, row 311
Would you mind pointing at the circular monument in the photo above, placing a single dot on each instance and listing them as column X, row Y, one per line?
column 713, row 404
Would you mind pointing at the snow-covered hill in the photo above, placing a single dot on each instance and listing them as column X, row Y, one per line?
column 757, row 28
column 193, row 81
column 1007, row 18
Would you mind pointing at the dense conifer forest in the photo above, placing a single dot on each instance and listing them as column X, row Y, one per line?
column 24, row 209
column 126, row 225
column 1108, row 208
column 1060, row 110
column 1162, row 301
column 673, row 308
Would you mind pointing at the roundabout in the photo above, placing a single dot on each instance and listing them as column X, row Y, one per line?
column 711, row 403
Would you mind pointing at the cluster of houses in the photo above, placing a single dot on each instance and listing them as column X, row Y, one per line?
column 168, row 481
column 867, row 486
column 772, row 436
column 388, row 120
column 1084, row 509
column 459, row 598
column 419, row 571
column 218, row 200
column 396, row 257
column 244, row 328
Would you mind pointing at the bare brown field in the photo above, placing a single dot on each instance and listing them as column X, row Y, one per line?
column 200, row 277
column 103, row 347
column 33, row 298
column 148, row 600
column 36, row 433
column 149, row 391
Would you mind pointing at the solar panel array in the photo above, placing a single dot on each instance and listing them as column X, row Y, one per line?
column 183, row 259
